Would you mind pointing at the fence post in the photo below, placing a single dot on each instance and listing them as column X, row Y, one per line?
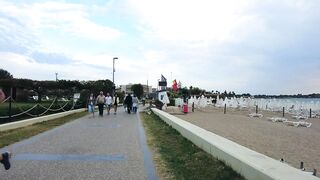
column 225, row 109
column 301, row 166
column 192, row 106
column 10, row 106
column 38, row 110
column 256, row 109
column 282, row 111
column 310, row 113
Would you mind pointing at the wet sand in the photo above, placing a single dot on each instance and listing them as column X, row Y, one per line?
column 276, row 140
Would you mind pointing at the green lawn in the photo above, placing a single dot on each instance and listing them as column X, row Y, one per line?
column 178, row 158
column 15, row 135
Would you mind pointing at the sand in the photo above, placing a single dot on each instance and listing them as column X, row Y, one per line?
column 276, row 140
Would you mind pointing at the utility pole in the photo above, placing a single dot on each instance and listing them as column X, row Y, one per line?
column 56, row 77
column 113, row 70
column 148, row 87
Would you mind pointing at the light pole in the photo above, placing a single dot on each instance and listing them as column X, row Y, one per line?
column 56, row 77
column 113, row 70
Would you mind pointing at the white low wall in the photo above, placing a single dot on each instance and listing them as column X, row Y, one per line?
column 31, row 121
column 248, row 163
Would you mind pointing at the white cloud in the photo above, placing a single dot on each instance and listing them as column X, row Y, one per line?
column 59, row 16
column 192, row 20
column 238, row 45
column 25, row 67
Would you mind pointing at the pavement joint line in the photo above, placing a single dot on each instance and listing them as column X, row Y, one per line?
column 67, row 157
column 112, row 126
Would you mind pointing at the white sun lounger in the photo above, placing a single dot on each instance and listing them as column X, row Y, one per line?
column 299, row 123
column 277, row 119
column 298, row 117
column 255, row 115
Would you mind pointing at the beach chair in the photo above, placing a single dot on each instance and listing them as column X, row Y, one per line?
column 277, row 119
column 300, row 117
column 298, row 124
column 255, row 115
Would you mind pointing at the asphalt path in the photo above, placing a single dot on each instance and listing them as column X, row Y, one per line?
column 108, row 147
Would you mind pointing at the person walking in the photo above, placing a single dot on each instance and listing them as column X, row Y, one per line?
column 115, row 103
column 128, row 102
column 91, row 102
column 108, row 103
column 100, row 101
column 135, row 104
column 124, row 102
column 4, row 157
column 5, row 160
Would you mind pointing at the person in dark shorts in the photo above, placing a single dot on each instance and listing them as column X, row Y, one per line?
column 100, row 101
column 128, row 102
column 115, row 103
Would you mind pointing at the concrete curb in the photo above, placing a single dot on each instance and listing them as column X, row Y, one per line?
column 250, row 164
column 31, row 121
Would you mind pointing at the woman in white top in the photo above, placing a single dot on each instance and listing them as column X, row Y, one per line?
column 108, row 102
column 135, row 104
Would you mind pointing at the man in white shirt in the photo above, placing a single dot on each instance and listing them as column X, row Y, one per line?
column 108, row 102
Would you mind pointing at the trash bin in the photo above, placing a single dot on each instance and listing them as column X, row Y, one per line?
column 185, row 108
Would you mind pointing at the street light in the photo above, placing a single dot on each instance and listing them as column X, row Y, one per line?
column 113, row 70
column 56, row 77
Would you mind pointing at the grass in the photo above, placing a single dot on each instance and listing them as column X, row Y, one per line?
column 178, row 158
column 16, row 135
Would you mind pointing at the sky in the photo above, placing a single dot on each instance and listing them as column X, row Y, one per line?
column 245, row 46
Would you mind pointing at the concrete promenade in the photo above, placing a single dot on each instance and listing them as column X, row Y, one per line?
column 108, row 147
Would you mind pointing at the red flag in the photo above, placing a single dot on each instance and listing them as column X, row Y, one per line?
column 175, row 85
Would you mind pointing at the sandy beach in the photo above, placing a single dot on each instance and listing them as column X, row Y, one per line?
column 276, row 140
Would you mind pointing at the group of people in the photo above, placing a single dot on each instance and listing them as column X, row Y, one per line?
column 131, row 103
column 101, row 101
column 4, row 157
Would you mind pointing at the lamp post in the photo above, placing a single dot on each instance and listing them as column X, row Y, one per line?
column 114, row 86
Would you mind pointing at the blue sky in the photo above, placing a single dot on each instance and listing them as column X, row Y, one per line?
column 260, row 47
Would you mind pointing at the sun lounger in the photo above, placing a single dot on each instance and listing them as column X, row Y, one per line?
column 298, row 124
column 255, row 115
column 277, row 119
column 299, row 117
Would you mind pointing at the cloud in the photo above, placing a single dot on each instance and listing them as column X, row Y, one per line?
column 191, row 20
column 238, row 45
column 15, row 37
column 243, row 46
column 22, row 66
column 63, row 17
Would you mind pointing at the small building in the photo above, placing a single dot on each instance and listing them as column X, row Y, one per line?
column 127, row 88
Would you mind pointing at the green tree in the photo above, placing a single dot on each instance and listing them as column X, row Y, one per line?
column 96, row 86
column 4, row 74
column 121, row 96
column 137, row 90
column 195, row 91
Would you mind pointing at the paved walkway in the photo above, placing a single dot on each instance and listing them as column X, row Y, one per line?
column 109, row 147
